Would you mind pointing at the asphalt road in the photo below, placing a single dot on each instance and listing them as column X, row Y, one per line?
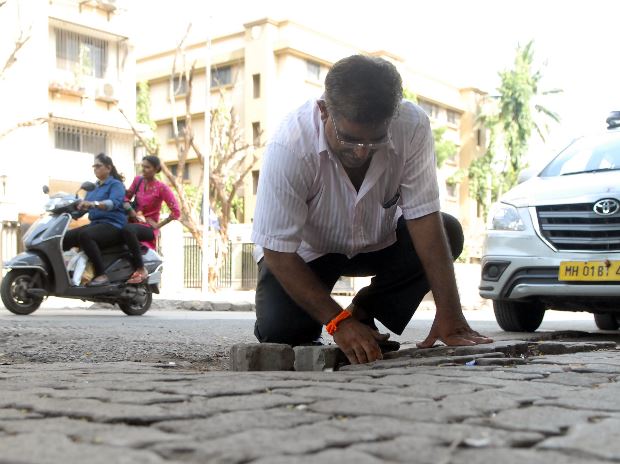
column 202, row 339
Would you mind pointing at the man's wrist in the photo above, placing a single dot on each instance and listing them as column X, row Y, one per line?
column 332, row 326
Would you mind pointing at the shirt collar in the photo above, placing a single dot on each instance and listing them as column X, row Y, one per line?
column 99, row 183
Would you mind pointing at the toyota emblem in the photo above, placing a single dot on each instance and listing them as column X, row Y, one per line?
column 606, row 207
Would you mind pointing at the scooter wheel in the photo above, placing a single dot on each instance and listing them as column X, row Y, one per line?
column 14, row 292
column 139, row 304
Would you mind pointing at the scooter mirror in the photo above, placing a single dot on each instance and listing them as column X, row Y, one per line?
column 46, row 189
column 88, row 186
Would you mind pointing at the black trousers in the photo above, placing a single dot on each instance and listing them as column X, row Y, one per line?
column 90, row 238
column 395, row 291
column 133, row 234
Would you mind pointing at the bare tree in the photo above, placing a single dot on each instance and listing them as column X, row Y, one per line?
column 230, row 159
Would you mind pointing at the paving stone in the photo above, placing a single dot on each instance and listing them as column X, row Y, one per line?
column 516, row 456
column 318, row 358
column 565, row 347
column 340, row 456
column 17, row 414
column 225, row 424
column 500, row 361
column 544, row 419
column 261, row 357
column 578, row 379
column 91, row 432
column 416, row 362
column 53, row 448
column 322, row 392
column 101, row 394
column 106, row 412
column 604, row 398
column 593, row 439
column 246, row 402
column 250, row 445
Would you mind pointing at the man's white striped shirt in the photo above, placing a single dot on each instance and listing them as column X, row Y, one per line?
column 307, row 204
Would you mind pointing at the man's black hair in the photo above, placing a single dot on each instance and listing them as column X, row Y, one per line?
column 363, row 89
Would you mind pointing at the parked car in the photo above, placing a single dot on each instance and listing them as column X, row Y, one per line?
column 553, row 241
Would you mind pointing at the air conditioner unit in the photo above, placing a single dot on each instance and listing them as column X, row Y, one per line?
column 107, row 91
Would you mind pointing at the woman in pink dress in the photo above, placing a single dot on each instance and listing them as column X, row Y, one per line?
column 144, row 223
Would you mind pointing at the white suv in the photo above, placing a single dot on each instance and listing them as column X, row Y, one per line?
column 553, row 241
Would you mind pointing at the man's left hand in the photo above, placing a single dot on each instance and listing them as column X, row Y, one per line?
column 453, row 332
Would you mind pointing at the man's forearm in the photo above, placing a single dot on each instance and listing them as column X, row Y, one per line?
column 429, row 239
column 302, row 285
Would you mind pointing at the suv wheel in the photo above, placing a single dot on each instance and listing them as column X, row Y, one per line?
column 518, row 317
column 606, row 321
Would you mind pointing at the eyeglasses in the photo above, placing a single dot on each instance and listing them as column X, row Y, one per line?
column 356, row 145
column 95, row 166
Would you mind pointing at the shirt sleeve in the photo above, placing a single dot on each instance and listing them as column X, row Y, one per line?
column 117, row 194
column 171, row 201
column 419, row 189
column 281, row 208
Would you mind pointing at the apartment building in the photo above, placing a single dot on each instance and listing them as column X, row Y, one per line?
column 62, row 97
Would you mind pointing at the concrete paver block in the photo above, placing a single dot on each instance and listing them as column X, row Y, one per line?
column 318, row 358
column 261, row 357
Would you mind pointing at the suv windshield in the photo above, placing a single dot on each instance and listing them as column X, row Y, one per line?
column 587, row 154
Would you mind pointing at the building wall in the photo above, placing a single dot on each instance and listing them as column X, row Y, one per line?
column 43, row 95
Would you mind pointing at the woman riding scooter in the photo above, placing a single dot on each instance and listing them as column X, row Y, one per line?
column 144, row 222
column 106, row 214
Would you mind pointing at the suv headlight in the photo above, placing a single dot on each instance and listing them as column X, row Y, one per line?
column 505, row 217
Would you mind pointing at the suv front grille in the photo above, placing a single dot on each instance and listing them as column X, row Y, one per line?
column 578, row 227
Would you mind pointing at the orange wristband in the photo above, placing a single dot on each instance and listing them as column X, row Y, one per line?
column 332, row 325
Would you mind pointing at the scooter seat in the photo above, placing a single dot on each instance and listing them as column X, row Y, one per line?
column 115, row 249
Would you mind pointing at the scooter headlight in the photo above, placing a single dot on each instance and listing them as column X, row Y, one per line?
column 57, row 203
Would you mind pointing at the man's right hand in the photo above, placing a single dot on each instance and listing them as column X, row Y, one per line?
column 358, row 341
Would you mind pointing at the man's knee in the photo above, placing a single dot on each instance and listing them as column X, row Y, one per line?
column 454, row 233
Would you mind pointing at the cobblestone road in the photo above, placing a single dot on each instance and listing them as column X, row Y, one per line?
column 512, row 402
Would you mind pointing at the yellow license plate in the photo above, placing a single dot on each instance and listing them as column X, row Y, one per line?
column 590, row 271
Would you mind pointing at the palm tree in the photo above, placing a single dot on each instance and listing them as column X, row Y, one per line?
column 519, row 110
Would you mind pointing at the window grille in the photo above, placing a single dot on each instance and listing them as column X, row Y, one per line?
column 81, row 54
column 80, row 139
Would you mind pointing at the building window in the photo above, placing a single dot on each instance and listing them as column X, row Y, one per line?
column 221, row 76
column 452, row 117
column 79, row 139
column 174, row 168
column 313, row 70
column 180, row 127
column 255, row 176
column 179, row 84
column 256, row 85
column 256, row 133
column 81, row 54
column 429, row 108
column 452, row 189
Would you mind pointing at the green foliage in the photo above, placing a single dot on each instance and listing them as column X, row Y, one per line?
column 516, row 116
column 409, row 95
column 444, row 149
column 143, row 113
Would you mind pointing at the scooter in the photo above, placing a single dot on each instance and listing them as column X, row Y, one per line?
column 43, row 270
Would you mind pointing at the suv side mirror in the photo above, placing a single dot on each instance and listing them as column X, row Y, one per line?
column 88, row 186
column 525, row 174
column 46, row 189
